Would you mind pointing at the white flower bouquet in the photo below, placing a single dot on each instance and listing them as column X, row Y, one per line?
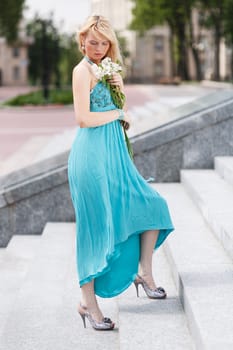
column 103, row 73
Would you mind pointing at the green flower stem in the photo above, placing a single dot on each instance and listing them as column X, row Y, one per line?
column 129, row 146
column 118, row 98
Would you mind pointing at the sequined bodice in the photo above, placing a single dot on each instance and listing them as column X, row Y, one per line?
column 100, row 98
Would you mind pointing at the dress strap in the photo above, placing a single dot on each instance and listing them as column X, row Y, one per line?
column 88, row 60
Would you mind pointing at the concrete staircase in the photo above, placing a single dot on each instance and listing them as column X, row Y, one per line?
column 39, row 289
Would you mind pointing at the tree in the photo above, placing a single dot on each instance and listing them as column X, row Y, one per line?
column 213, row 17
column 228, row 27
column 147, row 14
column 44, row 53
column 10, row 15
column 192, row 38
column 70, row 56
column 178, row 15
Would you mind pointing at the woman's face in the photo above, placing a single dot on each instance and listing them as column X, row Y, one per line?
column 96, row 47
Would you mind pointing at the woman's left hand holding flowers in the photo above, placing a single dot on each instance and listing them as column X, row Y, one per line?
column 116, row 80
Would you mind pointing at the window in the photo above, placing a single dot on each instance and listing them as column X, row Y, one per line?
column 159, row 43
column 15, row 51
column 16, row 73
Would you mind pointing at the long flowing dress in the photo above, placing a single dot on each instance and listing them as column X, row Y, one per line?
column 113, row 204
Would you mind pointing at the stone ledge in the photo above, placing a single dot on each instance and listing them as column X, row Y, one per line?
column 33, row 196
column 190, row 142
column 34, row 185
column 182, row 127
column 29, row 172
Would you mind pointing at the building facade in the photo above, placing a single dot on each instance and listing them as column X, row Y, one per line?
column 14, row 59
column 13, row 64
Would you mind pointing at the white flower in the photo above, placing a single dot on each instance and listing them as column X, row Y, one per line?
column 105, row 69
column 106, row 60
column 97, row 71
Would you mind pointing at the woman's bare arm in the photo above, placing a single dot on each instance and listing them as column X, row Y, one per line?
column 81, row 82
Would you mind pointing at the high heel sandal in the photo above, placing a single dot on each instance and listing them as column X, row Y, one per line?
column 105, row 325
column 157, row 293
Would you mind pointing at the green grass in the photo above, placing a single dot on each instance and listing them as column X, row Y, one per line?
column 36, row 98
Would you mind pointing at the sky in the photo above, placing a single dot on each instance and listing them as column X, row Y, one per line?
column 71, row 12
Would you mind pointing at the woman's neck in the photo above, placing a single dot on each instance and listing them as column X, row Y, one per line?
column 91, row 61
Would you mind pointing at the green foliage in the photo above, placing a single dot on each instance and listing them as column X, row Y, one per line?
column 145, row 15
column 10, row 15
column 212, row 11
column 228, row 20
column 36, row 98
column 70, row 57
column 51, row 53
column 44, row 52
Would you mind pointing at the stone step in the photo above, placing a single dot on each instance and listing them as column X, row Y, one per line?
column 202, row 271
column 154, row 324
column 23, row 246
column 44, row 315
column 224, row 167
column 14, row 263
column 214, row 197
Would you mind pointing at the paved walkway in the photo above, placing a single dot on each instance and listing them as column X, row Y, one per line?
column 19, row 125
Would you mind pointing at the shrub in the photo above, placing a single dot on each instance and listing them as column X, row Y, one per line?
column 36, row 98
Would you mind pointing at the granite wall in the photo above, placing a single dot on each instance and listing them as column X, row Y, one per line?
column 188, row 143
column 31, row 197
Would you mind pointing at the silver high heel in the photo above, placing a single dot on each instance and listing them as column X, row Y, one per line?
column 157, row 293
column 105, row 325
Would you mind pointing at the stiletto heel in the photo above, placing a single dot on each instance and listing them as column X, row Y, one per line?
column 157, row 293
column 136, row 286
column 105, row 325
column 84, row 319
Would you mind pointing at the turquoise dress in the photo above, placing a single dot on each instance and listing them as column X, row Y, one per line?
column 113, row 204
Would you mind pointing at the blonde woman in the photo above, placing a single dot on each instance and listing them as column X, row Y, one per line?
column 120, row 219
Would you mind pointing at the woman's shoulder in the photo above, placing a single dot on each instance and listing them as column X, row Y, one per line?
column 81, row 68
column 82, row 72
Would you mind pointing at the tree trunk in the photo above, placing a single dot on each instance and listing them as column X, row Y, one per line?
column 217, row 38
column 232, row 63
column 197, row 64
column 182, row 51
column 45, row 62
column 172, row 54
column 195, row 52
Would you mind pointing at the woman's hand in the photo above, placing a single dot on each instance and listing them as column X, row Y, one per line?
column 126, row 121
column 125, row 125
column 116, row 79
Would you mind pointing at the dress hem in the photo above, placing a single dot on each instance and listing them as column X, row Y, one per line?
column 113, row 257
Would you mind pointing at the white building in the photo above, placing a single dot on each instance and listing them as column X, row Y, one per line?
column 14, row 60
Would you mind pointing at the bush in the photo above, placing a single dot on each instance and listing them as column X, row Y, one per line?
column 36, row 98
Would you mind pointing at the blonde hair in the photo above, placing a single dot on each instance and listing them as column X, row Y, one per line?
column 100, row 25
